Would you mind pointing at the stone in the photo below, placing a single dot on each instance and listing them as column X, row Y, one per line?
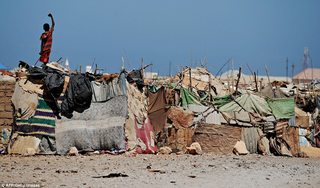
column 240, row 148
column 165, row 150
column 73, row 151
column 194, row 149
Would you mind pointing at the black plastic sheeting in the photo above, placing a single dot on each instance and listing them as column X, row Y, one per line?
column 78, row 95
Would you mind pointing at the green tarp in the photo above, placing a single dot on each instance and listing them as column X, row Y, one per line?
column 282, row 108
column 152, row 88
column 248, row 102
column 220, row 101
column 188, row 97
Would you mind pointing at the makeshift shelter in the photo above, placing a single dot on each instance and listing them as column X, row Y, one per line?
column 200, row 78
column 118, row 113
column 101, row 127
column 249, row 103
column 63, row 110
column 34, row 114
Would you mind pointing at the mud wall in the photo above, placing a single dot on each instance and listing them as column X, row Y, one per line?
column 6, row 109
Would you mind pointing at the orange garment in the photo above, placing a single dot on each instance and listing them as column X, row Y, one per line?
column 46, row 44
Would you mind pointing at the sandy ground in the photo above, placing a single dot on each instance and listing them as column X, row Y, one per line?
column 161, row 171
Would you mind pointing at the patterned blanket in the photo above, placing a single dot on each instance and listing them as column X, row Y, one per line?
column 42, row 123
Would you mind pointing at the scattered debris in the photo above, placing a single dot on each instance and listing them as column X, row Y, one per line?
column 112, row 175
column 66, row 171
column 157, row 170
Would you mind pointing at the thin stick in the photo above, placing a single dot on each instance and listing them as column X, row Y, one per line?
column 256, row 81
column 269, row 79
column 239, row 75
column 190, row 82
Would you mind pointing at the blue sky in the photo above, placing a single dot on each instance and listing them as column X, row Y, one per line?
column 184, row 32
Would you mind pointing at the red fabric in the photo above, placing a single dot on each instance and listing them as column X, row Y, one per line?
column 145, row 138
column 46, row 44
column 45, row 57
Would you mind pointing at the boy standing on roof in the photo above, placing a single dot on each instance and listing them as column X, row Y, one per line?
column 46, row 41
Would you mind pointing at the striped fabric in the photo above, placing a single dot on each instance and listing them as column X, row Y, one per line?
column 46, row 37
column 46, row 45
column 42, row 123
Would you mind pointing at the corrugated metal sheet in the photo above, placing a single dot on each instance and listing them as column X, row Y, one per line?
column 250, row 137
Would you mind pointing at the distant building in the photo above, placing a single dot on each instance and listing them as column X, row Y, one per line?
column 150, row 75
column 275, row 78
column 249, row 79
column 231, row 74
column 307, row 75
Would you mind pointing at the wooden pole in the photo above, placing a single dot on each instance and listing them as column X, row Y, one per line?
column 190, row 82
column 222, row 67
column 95, row 70
column 292, row 73
column 210, row 97
column 170, row 63
column 239, row 75
column 232, row 78
column 252, row 73
column 269, row 80
column 256, row 81
column 287, row 69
